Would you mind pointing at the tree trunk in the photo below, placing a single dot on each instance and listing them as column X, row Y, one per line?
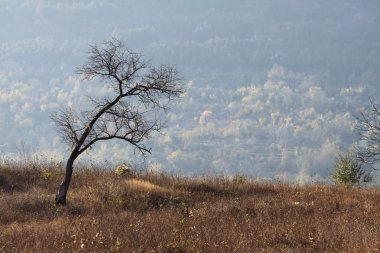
column 60, row 198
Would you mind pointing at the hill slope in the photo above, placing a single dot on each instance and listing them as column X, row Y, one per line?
column 107, row 212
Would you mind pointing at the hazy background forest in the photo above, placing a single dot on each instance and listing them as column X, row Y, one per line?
column 273, row 87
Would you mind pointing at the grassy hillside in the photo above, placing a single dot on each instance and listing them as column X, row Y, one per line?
column 107, row 212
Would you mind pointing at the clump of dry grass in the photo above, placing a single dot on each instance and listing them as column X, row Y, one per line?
column 145, row 186
column 107, row 212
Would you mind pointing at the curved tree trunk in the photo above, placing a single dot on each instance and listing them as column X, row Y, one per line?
column 60, row 198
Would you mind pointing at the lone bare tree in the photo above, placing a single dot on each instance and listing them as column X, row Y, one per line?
column 138, row 92
column 369, row 130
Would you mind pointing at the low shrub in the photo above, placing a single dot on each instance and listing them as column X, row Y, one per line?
column 349, row 171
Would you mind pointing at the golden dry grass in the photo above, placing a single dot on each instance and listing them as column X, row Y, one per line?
column 143, row 185
column 159, row 213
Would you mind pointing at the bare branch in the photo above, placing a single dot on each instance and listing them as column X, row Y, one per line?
column 141, row 91
column 369, row 130
column 113, row 62
column 66, row 121
column 123, row 122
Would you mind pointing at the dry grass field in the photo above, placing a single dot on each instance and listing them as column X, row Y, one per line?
column 107, row 212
